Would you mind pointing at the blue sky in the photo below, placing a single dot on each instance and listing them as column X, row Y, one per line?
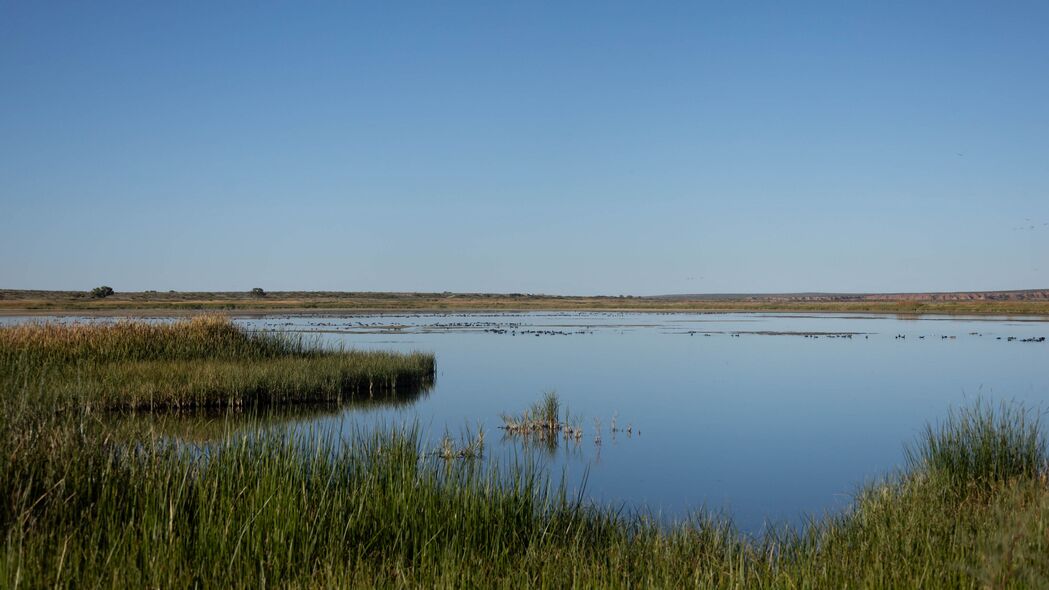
column 576, row 148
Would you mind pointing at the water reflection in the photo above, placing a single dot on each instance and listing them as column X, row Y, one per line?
column 202, row 426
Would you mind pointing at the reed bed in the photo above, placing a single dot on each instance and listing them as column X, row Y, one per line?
column 201, row 362
column 78, row 509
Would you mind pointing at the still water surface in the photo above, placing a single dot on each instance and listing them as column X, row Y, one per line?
column 743, row 413
column 765, row 417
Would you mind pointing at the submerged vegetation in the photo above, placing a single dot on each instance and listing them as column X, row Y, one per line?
column 201, row 362
column 276, row 509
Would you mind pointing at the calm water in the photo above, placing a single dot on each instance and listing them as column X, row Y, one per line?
column 743, row 413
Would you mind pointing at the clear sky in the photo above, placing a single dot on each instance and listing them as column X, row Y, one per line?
column 562, row 147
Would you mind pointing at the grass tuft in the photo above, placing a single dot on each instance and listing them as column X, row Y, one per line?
column 982, row 445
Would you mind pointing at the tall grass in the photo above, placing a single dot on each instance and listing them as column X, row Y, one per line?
column 211, row 337
column 202, row 362
column 982, row 445
column 542, row 425
column 79, row 508
column 544, row 415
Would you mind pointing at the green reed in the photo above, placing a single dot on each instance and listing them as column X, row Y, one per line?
column 79, row 507
column 983, row 445
column 202, row 362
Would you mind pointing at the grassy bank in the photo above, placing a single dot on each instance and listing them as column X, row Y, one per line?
column 79, row 510
column 201, row 362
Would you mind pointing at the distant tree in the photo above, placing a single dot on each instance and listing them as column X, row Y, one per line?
column 258, row 292
column 101, row 292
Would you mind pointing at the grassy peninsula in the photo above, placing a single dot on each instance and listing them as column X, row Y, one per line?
column 205, row 361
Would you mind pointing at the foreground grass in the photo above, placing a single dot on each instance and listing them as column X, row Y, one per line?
column 201, row 362
column 78, row 509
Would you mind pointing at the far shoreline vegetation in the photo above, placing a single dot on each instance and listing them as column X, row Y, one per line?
column 105, row 301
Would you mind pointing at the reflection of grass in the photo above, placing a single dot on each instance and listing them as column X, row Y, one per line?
column 201, row 425
column 275, row 509
column 203, row 362
column 204, row 425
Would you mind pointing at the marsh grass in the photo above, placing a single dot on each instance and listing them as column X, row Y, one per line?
column 85, row 502
column 269, row 509
column 543, row 415
column 201, row 362
column 542, row 424
column 982, row 445
column 469, row 446
column 306, row 509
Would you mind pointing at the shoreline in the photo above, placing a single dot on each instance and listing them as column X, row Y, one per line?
column 139, row 312
column 1016, row 303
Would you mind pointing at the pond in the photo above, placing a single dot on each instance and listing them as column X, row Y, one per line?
column 767, row 418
